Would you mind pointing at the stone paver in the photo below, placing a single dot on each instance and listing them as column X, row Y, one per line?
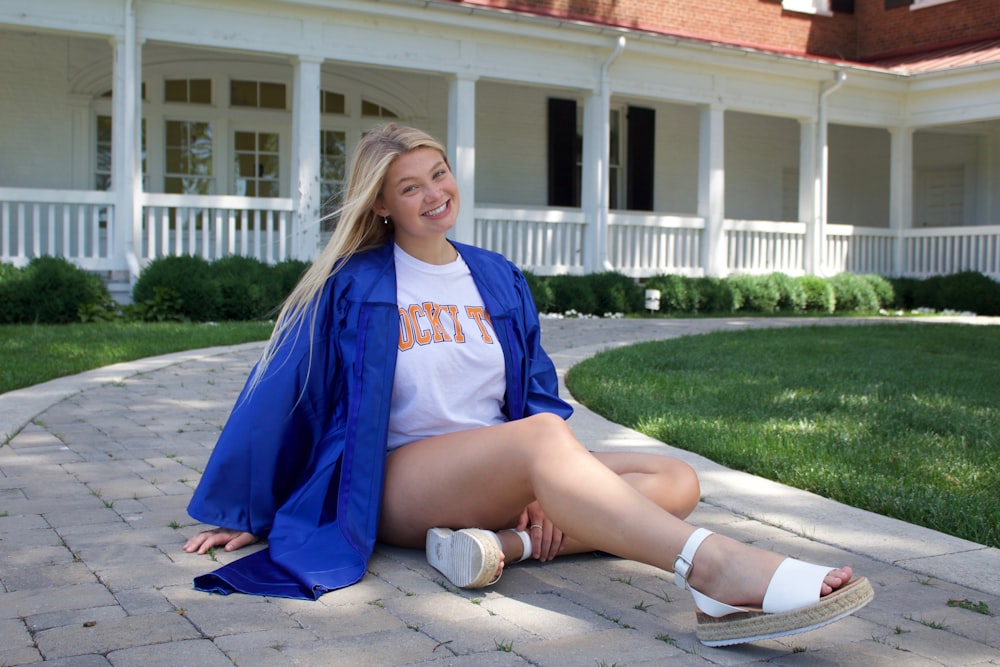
column 97, row 469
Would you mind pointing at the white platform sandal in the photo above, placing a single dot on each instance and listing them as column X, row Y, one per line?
column 792, row 603
column 470, row 557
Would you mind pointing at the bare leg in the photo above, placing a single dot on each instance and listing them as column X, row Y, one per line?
column 484, row 478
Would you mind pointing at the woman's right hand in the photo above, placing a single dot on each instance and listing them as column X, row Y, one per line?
column 230, row 540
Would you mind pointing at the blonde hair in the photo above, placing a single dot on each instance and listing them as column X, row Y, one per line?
column 358, row 228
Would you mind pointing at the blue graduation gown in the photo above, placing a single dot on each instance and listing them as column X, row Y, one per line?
column 301, row 460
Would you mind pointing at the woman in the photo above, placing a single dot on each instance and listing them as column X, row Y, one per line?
column 404, row 397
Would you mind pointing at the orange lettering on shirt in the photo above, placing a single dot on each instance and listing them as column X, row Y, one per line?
column 405, row 330
column 453, row 313
column 481, row 317
column 433, row 311
column 422, row 336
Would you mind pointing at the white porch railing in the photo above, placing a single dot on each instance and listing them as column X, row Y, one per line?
column 545, row 241
column 82, row 227
column 931, row 252
column 215, row 226
column 860, row 249
column 763, row 246
column 643, row 245
column 75, row 224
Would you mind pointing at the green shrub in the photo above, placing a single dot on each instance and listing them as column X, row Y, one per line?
column 905, row 290
column 165, row 306
column 288, row 274
column 819, row 294
column 716, row 295
column 756, row 293
column 676, row 293
column 12, row 296
column 8, row 272
column 969, row 291
column 248, row 288
column 50, row 290
column 854, row 294
column 188, row 277
column 572, row 293
column 614, row 293
column 791, row 296
column 541, row 292
column 884, row 291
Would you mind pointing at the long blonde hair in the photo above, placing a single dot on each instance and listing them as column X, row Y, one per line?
column 358, row 228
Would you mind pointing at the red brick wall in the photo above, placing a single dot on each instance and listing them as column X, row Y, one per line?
column 872, row 32
column 752, row 23
column 887, row 32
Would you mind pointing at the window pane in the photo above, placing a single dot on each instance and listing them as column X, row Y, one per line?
column 104, row 129
column 245, row 141
column 175, row 161
column 267, row 142
column 201, row 91
column 272, row 95
column 175, row 90
column 369, row 108
column 334, row 103
column 246, row 187
column 174, row 131
column 243, row 93
column 269, row 189
column 267, row 166
column 332, row 169
column 245, row 165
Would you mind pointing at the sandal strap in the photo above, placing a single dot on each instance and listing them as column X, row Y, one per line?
column 525, row 542
column 795, row 584
column 685, row 559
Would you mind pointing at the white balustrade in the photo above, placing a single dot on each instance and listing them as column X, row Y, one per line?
column 80, row 225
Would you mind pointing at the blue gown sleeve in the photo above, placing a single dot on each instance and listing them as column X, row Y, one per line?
column 269, row 438
column 542, row 381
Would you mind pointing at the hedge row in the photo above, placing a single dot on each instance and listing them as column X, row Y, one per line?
column 603, row 293
column 52, row 290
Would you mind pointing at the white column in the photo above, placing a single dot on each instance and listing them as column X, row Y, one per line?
column 462, row 151
column 900, row 192
column 593, row 179
column 305, row 176
column 126, row 147
column 81, row 167
column 712, row 189
column 807, row 193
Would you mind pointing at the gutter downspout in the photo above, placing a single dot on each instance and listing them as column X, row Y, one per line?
column 604, row 191
column 820, row 198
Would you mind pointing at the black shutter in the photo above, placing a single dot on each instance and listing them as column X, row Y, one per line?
column 639, row 172
column 563, row 189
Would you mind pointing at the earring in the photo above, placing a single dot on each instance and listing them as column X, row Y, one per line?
column 385, row 220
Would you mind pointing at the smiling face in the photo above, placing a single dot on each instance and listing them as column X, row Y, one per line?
column 420, row 196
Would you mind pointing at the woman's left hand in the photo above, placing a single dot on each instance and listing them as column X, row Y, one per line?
column 546, row 540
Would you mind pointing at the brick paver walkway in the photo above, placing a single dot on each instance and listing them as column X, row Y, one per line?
column 93, row 491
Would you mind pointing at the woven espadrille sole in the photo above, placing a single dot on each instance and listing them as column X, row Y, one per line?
column 755, row 625
column 468, row 558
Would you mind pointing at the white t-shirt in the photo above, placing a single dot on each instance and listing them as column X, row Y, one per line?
column 450, row 372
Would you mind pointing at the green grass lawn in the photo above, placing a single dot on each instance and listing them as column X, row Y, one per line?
column 33, row 354
column 900, row 419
